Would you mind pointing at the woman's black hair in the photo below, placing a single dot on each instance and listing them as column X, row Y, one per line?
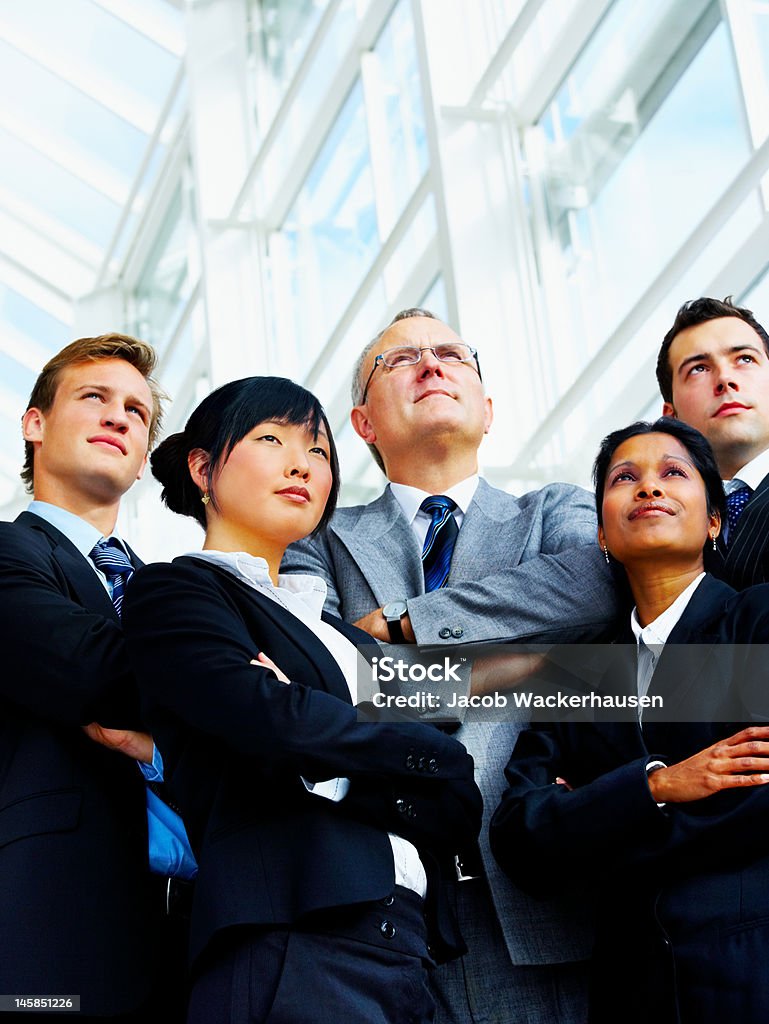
column 223, row 419
column 692, row 440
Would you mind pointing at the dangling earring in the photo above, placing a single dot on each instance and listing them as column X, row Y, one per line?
column 715, row 546
column 606, row 554
column 205, row 498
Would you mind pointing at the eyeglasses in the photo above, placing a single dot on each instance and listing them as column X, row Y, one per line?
column 409, row 355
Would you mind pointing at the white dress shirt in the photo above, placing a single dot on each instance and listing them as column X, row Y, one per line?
column 410, row 498
column 751, row 475
column 651, row 639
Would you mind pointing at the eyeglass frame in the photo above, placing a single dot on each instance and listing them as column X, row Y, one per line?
column 380, row 361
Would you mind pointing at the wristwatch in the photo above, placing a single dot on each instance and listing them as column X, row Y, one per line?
column 393, row 613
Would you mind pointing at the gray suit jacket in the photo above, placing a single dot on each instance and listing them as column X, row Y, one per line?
column 523, row 568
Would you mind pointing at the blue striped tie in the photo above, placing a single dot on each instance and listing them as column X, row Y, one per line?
column 440, row 540
column 111, row 559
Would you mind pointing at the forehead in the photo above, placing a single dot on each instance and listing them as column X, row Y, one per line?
column 649, row 448
column 713, row 337
column 417, row 331
column 115, row 374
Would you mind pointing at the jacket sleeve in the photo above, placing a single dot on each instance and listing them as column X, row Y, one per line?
column 62, row 661
column 543, row 834
column 562, row 591
column 192, row 651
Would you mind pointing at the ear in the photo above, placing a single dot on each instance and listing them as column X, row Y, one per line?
column 33, row 425
column 714, row 527
column 143, row 466
column 669, row 410
column 198, row 463
column 362, row 425
column 488, row 418
column 601, row 538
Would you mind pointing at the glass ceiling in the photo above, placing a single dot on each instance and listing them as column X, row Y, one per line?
column 94, row 88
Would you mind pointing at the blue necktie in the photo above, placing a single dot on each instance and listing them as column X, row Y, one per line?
column 109, row 557
column 440, row 540
column 735, row 504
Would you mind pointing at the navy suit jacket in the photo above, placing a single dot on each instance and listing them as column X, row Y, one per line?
column 745, row 562
column 683, row 890
column 73, row 832
column 236, row 743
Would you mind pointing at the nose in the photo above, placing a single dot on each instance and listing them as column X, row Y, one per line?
column 649, row 488
column 429, row 364
column 298, row 466
column 723, row 380
column 114, row 416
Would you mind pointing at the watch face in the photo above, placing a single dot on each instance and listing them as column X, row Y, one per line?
column 395, row 610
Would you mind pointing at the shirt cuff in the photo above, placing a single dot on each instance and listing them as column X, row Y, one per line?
column 330, row 789
column 153, row 772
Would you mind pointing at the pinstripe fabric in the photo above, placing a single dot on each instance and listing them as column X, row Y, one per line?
column 110, row 558
column 440, row 540
column 744, row 562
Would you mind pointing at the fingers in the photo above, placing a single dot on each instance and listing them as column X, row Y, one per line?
column 751, row 733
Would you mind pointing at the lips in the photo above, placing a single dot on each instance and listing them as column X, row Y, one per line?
column 296, row 493
column 651, row 508
column 433, row 391
column 728, row 407
column 109, row 439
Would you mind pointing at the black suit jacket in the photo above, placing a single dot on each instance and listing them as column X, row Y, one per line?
column 745, row 562
column 684, row 889
column 236, row 742
column 73, row 835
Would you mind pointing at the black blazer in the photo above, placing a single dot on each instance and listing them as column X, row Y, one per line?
column 235, row 742
column 745, row 562
column 683, row 891
column 73, row 833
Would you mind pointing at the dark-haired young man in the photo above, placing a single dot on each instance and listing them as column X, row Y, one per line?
column 79, row 909
column 713, row 372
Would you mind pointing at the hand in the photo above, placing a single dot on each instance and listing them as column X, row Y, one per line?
column 262, row 659
column 740, row 760
column 136, row 745
column 376, row 624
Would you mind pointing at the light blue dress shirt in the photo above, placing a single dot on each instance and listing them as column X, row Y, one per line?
column 169, row 848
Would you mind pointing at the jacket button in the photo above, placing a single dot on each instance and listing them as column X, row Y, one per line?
column 421, row 764
column 387, row 928
column 432, row 765
column 388, row 901
column 411, row 811
column 457, row 632
column 410, row 761
column 444, row 633
column 400, row 806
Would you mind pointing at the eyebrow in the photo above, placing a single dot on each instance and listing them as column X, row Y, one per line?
column 665, row 458
column 706, row 356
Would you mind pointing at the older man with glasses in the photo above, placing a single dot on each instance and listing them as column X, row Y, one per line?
column 441, row 557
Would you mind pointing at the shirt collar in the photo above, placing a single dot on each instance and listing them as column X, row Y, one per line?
column 254, row 571
column 658, row 631
column 82, row 534
column 751, row 474
column 410, row 498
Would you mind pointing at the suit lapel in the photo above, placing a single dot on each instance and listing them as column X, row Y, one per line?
column 748, row 539
column 314, row 653
column 385, row 549
column 487, row 537
column 78, row 571
column 688, row 654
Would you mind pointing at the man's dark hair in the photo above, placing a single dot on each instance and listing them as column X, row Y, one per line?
column 693, row 441
column 692, row 313
column 223, row 419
